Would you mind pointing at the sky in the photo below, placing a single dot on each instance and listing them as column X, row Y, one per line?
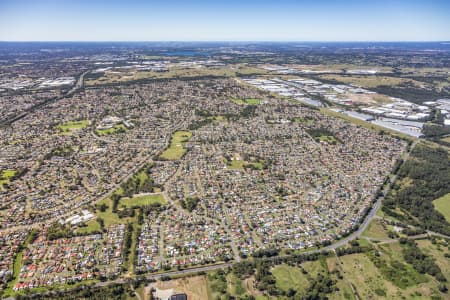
column 229, row 20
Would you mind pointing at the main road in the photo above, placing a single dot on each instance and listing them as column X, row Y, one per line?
column 78, row 85
column 339, row 243
column 354, row 235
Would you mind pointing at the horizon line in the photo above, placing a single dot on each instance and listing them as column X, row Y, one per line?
column 225, row 41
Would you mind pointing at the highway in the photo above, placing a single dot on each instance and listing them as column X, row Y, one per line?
column 79, row 84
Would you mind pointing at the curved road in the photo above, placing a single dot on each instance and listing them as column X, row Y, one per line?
column 356, row 234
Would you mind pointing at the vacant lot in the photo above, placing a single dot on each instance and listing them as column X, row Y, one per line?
column 368, row 98
column 194, row 287
column 371, row 80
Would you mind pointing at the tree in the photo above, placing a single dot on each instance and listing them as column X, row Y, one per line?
column 103, row 207
column 443, row 288
column 101, row 222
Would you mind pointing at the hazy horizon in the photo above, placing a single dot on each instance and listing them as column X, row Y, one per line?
column 237, row 21
column 229, row 41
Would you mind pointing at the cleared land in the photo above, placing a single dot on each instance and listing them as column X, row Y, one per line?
column 92, row 226
column 298, row 278
column 176, row 148
column 371, row 80
column 194, row 287
column 442, row 205
column 339, row 67
column 174, row 72
column 384, row 273
column 368, row 98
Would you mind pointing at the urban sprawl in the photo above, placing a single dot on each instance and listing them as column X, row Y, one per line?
column 184, row 171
